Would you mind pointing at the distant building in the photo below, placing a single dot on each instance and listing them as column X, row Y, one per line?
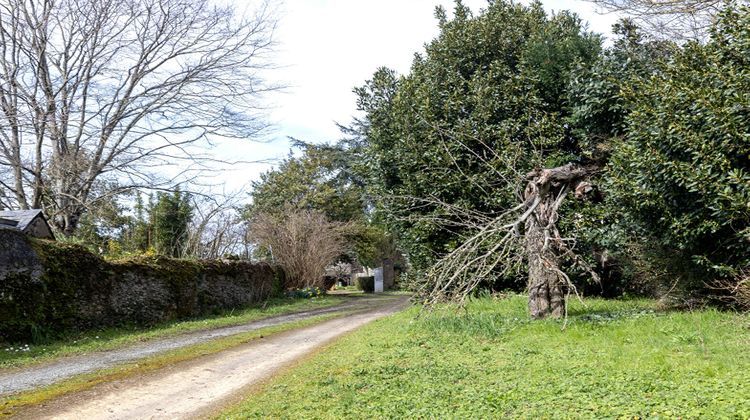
column 30, row 222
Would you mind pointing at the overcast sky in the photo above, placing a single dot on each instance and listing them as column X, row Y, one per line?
column 327, row 47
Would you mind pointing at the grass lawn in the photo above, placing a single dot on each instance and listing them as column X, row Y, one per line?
column 613, row 359
column 16, row 355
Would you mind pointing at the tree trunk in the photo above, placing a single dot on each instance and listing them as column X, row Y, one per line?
column 546, row 190
column 546, row 295
column 66, row 221
column 492, row 249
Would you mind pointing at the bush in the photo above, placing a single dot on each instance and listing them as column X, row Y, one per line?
column 304, row 243
column 366, row 284
column 681, row 175
column 329, row 282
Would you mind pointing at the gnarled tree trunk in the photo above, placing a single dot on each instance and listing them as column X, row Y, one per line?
column 546, row 296
column 545, row 192
column 491, row 250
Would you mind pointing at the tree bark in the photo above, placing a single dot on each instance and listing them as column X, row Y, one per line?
column 546, row 295
column 546, row 282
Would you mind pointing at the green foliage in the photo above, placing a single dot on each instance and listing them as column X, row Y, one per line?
column 171, row 216
column 681, row 177
column 366, row 284
column 598, row 102
column 319, row 179
column 480, row 107
column 159, row 226
column 322, row 179
column 597, row 93
column 98, row 227
column 498, row 94
column 371, row 243
column 615, row 359
column 137, row 237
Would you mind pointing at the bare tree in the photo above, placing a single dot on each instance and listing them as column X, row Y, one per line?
column 217, row 229
column 678, row 20
column 97, row 95
column 303, row 242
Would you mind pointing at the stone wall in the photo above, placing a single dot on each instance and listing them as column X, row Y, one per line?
column 47, row 288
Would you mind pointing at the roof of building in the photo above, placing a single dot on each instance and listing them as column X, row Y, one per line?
column 8, row 222
column 23, row 218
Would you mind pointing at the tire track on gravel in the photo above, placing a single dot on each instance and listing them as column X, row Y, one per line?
column 27, row 378
column 196, row 388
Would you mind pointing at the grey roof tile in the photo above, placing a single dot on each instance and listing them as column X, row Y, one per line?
column 23, row 218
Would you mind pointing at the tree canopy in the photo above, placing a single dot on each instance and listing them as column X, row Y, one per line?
column 682, row 175
column 651, row 135
column 484, row 104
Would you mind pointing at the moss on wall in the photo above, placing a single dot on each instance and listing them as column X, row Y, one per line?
column 47, row 288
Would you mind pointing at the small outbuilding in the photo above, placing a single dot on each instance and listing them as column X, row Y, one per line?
column 30, row 222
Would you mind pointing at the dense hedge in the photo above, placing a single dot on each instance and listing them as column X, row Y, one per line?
column 47, row 288
column 366, row 284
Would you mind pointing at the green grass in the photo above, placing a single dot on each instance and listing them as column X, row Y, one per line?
column 18, row 355
column 612, row 359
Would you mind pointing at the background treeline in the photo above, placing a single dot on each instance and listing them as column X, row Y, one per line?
column 170, row 223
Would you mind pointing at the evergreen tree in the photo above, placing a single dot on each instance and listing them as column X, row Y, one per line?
column 170, row 218
column 484, row 104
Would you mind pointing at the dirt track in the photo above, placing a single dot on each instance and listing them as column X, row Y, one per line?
column 197, row 387
column 17, row 380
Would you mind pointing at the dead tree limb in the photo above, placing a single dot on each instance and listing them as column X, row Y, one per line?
column 679, row 20
column 527, row 231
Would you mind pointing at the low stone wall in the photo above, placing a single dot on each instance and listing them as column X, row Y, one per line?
column 47, row 288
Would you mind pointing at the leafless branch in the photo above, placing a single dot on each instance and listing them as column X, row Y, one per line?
column 678, row 20
column 303, row 242
column 95, row 92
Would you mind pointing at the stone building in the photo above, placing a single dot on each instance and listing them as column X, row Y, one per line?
column 30, row 222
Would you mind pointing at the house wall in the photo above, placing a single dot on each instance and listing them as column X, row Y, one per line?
column 39, row 229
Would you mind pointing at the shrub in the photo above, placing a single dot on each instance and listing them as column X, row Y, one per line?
column 329, row 282
column 306, row 293
column 681, row 176
column 303, row 242
column 366, row 284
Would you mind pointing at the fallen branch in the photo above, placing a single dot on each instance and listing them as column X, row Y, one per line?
column 525, row 232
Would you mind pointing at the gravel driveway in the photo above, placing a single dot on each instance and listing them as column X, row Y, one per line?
column 23, row 379
column 201, row 386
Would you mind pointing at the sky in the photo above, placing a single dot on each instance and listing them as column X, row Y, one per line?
column 325, row 48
